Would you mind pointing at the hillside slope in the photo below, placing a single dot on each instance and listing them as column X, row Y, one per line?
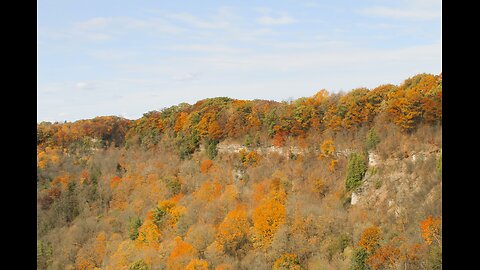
column 333, row 181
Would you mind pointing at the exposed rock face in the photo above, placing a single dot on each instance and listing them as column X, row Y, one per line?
column 238, row 174
column 229, row 148
column 388, row 182
column 344, row 152
column 372, row 159
column 354, row 199
column 225, row 147
column 236, row 148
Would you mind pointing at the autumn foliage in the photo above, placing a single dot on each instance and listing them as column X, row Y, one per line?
column 287, row 261
column 206, row 165
column 232, row 232
column 248, row 184
column 370, row 238
column 430, row 230
column 267, row 217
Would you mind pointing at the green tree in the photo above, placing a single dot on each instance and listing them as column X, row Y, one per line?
column 434, row 259
column 256, row 140
column 372, row 140
column 211, row 148
column 186, row 145
column 248, row 141
column 439, row 164
column 359, row 258
column 134, row 225
column 68, row 204
column 356, row 169
column 44, row 255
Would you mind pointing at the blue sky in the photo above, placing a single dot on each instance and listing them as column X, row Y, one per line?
column 126, row 58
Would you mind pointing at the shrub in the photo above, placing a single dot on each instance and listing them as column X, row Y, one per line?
column 439, row 164
column 250, row 158
column 287, row 261
column 44, row 254
column 138, row 265
column 173, row 185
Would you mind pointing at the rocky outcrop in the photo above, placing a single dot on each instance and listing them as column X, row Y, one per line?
column 373, row 159
column 236, row 148
column 354, row 198
column 387, row 182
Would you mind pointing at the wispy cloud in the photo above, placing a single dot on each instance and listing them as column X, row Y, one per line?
column 297, row 61
column 413, row 10
column 206, row 48
column 93, row 23
column 112, row 55
column 268, row 20
column 100, row 29
column 84, row 86
column 186, row 77
column 199, row 23
column 398, row 13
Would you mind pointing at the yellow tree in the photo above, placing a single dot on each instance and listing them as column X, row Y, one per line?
column 149, row 233
column 331, row 119
column 327, row 148
column 196, row 264
column 267, row 217
column 181, row 255
column 431, row 230
column 167, row 213
column 100, row 248
column 369, row 240
column 206, row 165
column 180, row 121
column 328, row 152
column 385, row 257
column 232, row 232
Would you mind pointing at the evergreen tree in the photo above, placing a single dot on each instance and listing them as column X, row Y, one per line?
column 356, row 169
column 372, row 140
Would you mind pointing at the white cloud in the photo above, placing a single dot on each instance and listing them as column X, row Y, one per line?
column 268, row 20
column 84, row 85
column 186, row 77
column 112, row 55
column 317, row 44
column 199, row 23
column 414, row 10
column 339, row 58
column 397, row 13
column 93, row 23
column 157, row 25
column 98, row 37
column 206, row 48
column 311, row 4
column 103, row 29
